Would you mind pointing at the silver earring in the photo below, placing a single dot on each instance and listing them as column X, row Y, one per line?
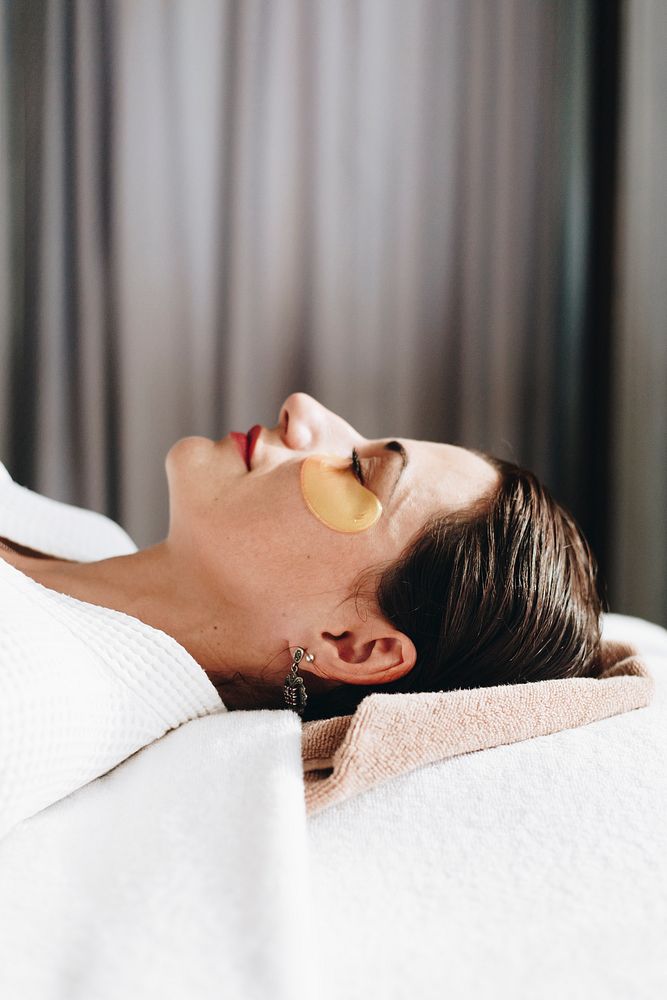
column 294, row 689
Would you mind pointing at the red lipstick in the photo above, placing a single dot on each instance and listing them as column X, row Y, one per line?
column 246, row 442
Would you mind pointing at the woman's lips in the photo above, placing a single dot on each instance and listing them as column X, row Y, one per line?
column 246, row 443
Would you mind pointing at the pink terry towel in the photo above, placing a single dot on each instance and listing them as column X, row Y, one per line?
column 393, row 733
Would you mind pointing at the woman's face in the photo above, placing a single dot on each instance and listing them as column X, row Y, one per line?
column 269, row 552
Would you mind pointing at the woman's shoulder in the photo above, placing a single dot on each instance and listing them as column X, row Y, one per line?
column 57, row 528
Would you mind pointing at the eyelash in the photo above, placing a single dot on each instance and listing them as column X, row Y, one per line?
column 356, row 467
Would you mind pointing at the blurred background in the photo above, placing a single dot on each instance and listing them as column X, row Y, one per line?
column 445, row 219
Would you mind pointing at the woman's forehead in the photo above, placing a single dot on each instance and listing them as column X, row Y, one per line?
column 446, row 474
column 454, row 456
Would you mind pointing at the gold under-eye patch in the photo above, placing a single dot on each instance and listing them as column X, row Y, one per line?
column 335, row 496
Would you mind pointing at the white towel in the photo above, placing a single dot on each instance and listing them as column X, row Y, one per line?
column 180, row 875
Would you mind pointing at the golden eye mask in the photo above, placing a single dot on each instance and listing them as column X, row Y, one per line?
column 334, row 495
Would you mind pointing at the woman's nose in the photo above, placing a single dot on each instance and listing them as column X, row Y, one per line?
column 306, row 424
column 298, row 419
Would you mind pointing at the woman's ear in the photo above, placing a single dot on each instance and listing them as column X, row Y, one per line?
column 375, row 653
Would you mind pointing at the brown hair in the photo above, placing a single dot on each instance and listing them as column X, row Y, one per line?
column 502, row 593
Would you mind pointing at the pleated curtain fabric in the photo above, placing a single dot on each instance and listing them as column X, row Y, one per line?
column 639, row 390
column 206, row 206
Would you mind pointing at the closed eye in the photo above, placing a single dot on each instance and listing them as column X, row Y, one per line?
column 356, row 467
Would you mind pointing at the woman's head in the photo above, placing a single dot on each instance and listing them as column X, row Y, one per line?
column 501, row 593
column 434, row 565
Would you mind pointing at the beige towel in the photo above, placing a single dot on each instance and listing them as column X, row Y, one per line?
column 393, row 733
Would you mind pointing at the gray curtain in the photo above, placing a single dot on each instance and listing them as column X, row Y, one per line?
column 640, row 356
column 207, row 205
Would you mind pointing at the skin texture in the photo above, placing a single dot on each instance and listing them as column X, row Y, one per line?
column 248, row 571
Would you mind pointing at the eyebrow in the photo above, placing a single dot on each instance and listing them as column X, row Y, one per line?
column 398, row 447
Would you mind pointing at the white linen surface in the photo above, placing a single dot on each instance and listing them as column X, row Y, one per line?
column 537, row 869
column 179, row 874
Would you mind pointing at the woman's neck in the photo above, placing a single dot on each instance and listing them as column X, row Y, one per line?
column 153, row 585
column 158, row 586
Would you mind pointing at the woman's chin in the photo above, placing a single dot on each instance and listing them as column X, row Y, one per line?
column 188, row 465
column 194, row 472
column 191, row 450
